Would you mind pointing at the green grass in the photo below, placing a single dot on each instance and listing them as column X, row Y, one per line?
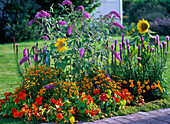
column 9, row 78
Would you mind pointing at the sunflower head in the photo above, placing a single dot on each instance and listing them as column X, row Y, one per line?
column 61, row 44
column 143, row 26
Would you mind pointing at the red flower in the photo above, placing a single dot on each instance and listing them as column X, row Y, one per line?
column 16, row 100
column 130, row 98
column 87, row 111
column 96, row 92
column 7, row 98
column 18, row 114
column 59, row 102
column 93, row 112
column 43, row 119
column 29, row 119
column 53, row 101
column 45, row 106
column 89, row 98
column 22, row 95
column 103, row 97
column 72, row 111
column 5, row 94
column 38, row 100
column 14, row 110
column 116, row 99
column 59, row 116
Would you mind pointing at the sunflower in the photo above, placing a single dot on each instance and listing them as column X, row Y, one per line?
column 61, row 44
column 143, row 26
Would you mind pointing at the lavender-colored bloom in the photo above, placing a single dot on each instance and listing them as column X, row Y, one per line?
column 117, row 25
column 139, row 58
column 163, row 43
column 120, row 44
column 123, row 43
column 36, row 59
column 29, row 61
column 133, row 44
column 86, row 14
column 112, row 46
column 160, row 46
column 157, row 39
column 166, row 53
column 81, row 52
column 30, row 23
column 45, row 37
column 147, row 46
column 120, row 49
column 142, row 40
column 68, row 2
column 131, row 68
column 47, row 87
column 153, row 49
column 116, row 42
column 107, row 43
column 122, row 38
column 25, row 52
column 107, row 16
column 142, row 45
column 37, row 15
column 42, row 14
column 109, row 77
column 45, row 47
column 115, row 13
column 127, row 41
column 48, row 15
column 167, row 38
column 101, row 51
column 80, row 8
column 24, row 59
column 117, row 56
column 139, row 47
column 69, row 29
column 128, row 47
column 61, row 22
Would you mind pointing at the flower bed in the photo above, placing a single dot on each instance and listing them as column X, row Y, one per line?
column 76, row 74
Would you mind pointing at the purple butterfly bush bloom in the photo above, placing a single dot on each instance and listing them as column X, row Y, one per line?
column 69, row 29
column 86, row 14
column 25, row 52
column 117, row 24
column 42, row 14
column 115, row 13
column 68, row 2
column 44, row 48
column 80, row 8
column 45, row 37
column 107, row 16
column 117, row 56
column 61, row 22
column 81, row 52
column 30, row 23
column 167, row 38
column 25, row 58
column 163, row 43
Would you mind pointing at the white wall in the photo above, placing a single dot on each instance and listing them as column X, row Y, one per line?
column 109, row 5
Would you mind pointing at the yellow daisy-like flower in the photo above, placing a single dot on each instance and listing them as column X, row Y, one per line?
column 61, row 44
column 143, row 26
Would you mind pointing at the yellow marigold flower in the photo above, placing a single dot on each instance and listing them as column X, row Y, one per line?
column 143, row 26
column 72, row 120
column 148, row 87
column 144, row 91
column 61, row 44
column 145, row 82
column 138, row 83
column 125, row 82
column 140, row 91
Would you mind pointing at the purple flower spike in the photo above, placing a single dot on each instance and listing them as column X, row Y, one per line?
column 115, row 13
column 160, row 46
column 112, row 46
column 69, row 29
column 139, row 47
column 47, row 87
column 142, row 39
column 25, row 52
column 61, row 22
column 81, row 52
column 131, row 68
column 117, row 56
column 163, row 42
column 166, row 53
column 80, row 8
column 142, row 45
column 115, row 42
column 139, row 58
column 68, row 2
column 107, row 16
column 117, row 25
column 157, row 39
column 122, row 40
column 86, row 14
column 167, row 38
column 127, row 41
column 133, row 44
column 120, row 44
column 153, row 49
column 120, row 49
column 147, row 46
column 16, row 48
column 107, row 43
column 128, row 47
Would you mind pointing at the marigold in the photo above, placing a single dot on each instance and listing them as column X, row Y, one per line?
column 72, row 119
column 59, row 116
column 72, row 110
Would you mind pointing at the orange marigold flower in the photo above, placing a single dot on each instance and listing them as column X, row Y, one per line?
column 89, row 98
column 125, row 82
column 140, row 91
column 72, row 110
column 59, row 116
column 148, row 87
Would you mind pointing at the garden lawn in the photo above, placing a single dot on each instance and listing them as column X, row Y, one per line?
column 9, row 76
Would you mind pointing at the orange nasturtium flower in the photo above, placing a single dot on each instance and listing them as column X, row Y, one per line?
column 59, row 116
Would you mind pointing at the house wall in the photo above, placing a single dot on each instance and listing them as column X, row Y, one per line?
column 109, row 5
